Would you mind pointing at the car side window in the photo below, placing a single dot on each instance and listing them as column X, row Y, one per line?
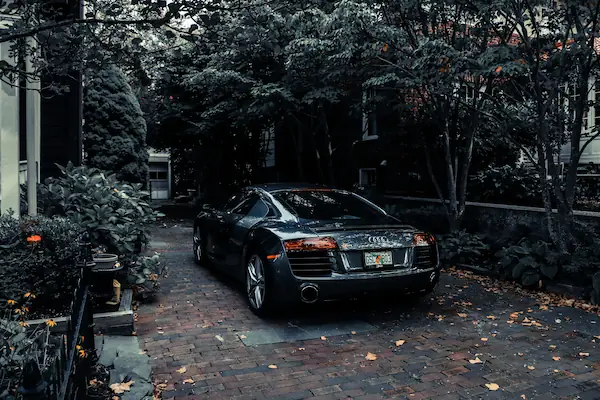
column 259, row 210
column 246, row 205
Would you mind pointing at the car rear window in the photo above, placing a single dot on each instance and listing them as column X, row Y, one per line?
column 326, row 205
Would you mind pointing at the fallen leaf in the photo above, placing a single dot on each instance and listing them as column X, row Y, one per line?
column 122, row 387
column 524, row 397
column 556, row 358
column 498, row 69
column 555, row 370
column 552, row 347
column 484, row 339
column 491, row 317
column 272, row 366
column 323, row 338
column 301, row 348
column 530, row 367
column 597, row 337
column 161, row 386
column 371, row 357
column 400, row 342
column 220, row 338
column 520, row 354
column 353, row 332
column 243, row 336
column 462, row 315
column 492, row 386
column 93, row 382
column 584, row 354
column 544, row 308
column 476, row 361
column 182, row 370
column 190, row 381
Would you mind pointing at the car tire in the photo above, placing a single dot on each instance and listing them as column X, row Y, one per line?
column 198, row 248
column 258, row 278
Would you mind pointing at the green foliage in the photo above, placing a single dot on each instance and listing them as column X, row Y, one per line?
column 116, row 215
column 20, row 344
column 529, row 264
column 462, row 248
column 506, row 185
column 38, row 255
column 144, row 275
column 115, row 128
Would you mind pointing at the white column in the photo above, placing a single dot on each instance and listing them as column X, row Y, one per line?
column 169, row 178
column 9, row 141
column 33, row 132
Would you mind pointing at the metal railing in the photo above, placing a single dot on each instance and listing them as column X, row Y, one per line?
column 68, row 372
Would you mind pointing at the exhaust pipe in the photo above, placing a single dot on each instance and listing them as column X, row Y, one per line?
column 309, row 293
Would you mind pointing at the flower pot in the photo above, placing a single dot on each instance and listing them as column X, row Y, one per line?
column 106, row 262
column 103, row 274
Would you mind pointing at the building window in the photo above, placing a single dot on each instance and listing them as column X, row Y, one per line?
column 573, row 98
column 158, row 175
column 367, row 177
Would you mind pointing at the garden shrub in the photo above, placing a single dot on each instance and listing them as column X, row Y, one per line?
column 506, row 185
column 39, row 255
column 20, row 345
column 117, row 215
column 462, row 248
column 529, row 263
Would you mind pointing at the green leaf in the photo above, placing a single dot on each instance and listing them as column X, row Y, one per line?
column 518, row 271
column 549, row 270
column 530, row 278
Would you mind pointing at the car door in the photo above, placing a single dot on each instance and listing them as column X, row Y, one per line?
column 256, row 210
column 218, row 227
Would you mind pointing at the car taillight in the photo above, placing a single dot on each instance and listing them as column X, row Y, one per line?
column 310, row 244
column 423, row 239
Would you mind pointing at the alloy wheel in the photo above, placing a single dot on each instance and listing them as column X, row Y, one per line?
column 255, row 282
column 197, row 247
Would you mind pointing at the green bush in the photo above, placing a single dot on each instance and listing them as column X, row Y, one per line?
column 39, row 255
column 462, row 248
column 506, row 185
column 529, row 263
column 116, row 215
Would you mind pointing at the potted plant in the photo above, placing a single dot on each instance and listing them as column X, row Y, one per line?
column 104, row 272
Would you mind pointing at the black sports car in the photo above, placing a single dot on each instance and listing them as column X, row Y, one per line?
column 292, row 243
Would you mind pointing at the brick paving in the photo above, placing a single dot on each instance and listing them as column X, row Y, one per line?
column 198, row 319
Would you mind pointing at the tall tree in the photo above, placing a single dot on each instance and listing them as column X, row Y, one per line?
column 115, row 129
column 555, row 67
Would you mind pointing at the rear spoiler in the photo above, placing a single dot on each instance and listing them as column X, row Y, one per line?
column 362, row 228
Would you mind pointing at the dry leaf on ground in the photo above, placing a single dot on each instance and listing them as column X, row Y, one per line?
column 182, row 370
column 491, row 317
column 353, row 332
column 400, row 342
column 476, row 361
column 272, row 366
column 323, row 338
column 530, row 367
column 371, row 357
column 492, row 386
column 190, row 381
column 301, row 348
column 584, row 354
column 242, row 336
column 122, row 387
column 484, row 339
column 556, row 358
column 462, row 315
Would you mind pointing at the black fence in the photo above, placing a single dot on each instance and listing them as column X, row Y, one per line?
column 72, row 354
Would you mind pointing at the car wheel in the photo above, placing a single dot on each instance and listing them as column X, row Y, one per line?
column 198, row 247
column 258, row 289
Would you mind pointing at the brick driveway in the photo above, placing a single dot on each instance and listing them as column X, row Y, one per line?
column 453, row 344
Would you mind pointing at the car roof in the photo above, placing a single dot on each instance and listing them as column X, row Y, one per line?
column 278, row 187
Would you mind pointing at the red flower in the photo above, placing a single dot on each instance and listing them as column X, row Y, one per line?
column 34, row 239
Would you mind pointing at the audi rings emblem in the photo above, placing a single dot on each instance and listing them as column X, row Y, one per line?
column 377, row 239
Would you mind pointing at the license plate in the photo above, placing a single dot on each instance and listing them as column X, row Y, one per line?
column 378, row 259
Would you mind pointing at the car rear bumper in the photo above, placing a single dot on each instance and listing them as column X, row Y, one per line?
column 352, row 285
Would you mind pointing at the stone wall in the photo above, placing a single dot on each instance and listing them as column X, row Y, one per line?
column 493, row 219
